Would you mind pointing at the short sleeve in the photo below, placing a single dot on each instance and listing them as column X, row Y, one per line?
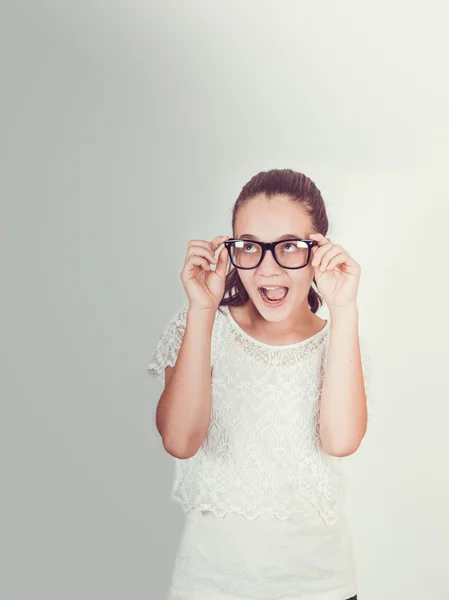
column 168, row 344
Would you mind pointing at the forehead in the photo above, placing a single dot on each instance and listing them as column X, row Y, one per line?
column 270, row 219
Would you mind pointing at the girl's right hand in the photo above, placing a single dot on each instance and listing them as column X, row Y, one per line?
column 204, row 287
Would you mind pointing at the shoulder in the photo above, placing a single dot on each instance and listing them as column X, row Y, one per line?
column 178, row 320
column 219, row 332
column 220, row 321
column 222, row 313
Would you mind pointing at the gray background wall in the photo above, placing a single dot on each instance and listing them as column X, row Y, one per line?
column 129, row 128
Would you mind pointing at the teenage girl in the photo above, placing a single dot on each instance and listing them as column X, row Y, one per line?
column 262, row 399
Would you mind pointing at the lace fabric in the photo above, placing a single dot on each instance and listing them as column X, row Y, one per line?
column 262, row 453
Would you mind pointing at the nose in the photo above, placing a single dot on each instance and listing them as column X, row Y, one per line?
column 268, row 265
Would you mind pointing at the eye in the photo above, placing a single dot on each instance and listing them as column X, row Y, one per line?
column 287, row 245
column 246, row 246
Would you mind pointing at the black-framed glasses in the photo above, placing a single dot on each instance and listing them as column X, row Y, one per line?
column 293, row 253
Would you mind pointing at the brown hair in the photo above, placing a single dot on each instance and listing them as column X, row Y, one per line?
column 299, row 189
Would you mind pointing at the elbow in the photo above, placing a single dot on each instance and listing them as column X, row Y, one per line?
column 341, row 451
column 340, row 448
column 345, row 443
column 177, row 449
column 178, row 452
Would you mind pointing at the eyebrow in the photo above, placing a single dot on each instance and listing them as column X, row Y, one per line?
column 283, row 237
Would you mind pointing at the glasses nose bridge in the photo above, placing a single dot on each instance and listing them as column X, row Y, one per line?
column 265, row 247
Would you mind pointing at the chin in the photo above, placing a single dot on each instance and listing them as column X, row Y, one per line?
column 273, row 312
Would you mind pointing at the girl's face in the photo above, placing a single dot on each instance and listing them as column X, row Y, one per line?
column 267, row 221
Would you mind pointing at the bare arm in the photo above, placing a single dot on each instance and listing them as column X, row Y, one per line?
column 343, row 414
column 183, row 410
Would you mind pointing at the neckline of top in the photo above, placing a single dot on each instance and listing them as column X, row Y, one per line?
column 313, row 337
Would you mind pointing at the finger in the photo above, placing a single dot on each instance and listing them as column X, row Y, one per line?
column 321, row 251
column 320, row 238
column 347, row 260
column 212, row 245
column 223, row 257
column 201, row 251
column 333, row 262
column 329, row 255
column 216, row 242
column 203, row 243
column 197, row 261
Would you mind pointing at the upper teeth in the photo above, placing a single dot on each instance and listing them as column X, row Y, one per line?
column 271, row 288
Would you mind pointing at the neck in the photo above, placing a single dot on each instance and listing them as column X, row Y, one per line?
column 302, row 321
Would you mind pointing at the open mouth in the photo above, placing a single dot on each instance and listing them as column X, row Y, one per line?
column 273, row 295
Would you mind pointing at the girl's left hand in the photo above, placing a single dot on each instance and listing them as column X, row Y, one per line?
column 339, row 281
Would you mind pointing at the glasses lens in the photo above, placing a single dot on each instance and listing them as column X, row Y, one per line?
column 292, row 254
column 245, row 254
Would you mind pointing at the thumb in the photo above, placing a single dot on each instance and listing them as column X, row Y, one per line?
column 222, row 261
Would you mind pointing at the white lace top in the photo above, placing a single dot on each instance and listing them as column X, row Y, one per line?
column 262, row 452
